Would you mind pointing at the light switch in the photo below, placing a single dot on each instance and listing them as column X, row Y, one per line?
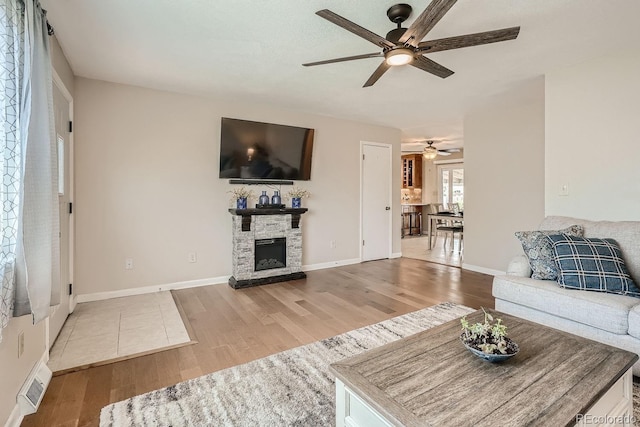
column 564, row 190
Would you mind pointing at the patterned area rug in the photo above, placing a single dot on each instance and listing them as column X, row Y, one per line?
column 291, row 388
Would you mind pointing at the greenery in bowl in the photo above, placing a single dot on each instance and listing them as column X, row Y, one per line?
column 489, row 337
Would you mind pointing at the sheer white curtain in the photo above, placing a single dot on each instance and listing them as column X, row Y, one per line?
column 36, row 280
column 11, row 93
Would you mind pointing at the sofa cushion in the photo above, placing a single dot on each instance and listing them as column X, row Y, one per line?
column 609, row 312
column 592, row 264
column 626, row 233
column 539, row 251
column 634, row 322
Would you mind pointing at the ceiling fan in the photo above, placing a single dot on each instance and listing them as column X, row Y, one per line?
column 403, row 46
column 430, row 152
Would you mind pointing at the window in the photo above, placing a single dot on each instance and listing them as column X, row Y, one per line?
column 451, row 184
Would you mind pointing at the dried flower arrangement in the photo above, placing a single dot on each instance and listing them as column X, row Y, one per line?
column 297, row 192
column 241, row 192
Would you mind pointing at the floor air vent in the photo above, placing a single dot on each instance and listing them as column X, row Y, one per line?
column 33, row 390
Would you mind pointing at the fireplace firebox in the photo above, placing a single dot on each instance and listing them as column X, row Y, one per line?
column 270, row 253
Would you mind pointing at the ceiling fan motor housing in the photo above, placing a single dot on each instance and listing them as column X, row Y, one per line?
column 394, row 35
column 398, row 13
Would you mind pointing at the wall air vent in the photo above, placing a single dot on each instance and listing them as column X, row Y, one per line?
column 33, row 389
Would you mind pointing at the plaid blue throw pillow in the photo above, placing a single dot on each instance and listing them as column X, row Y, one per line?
column 592, row 264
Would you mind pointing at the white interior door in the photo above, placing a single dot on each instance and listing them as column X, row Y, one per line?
column 376, row 201
column 62, row 114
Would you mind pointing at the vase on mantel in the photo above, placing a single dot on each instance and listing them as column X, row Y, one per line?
column 276, row 199
column 264, row 199
column 296, row 202
column 241, row 203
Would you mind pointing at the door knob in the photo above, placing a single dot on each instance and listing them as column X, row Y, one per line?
column 388, row 208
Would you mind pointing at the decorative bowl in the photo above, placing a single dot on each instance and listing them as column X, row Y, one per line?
column 493, row 358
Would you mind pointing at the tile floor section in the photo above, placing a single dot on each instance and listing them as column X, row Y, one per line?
column 103, row 330
column 416, row 247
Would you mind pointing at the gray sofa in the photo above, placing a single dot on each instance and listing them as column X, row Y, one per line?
column 607, row 318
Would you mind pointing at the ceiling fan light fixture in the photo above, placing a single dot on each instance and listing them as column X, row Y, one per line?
column 430, row 152
column 400, row 56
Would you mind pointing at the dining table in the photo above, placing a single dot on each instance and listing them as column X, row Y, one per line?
column 448, row 216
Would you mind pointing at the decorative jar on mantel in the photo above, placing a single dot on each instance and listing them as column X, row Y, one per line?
column 264, row 199
column 241, row 195
column 297, row 194
column 276, row 199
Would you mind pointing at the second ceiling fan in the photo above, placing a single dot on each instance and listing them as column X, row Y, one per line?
column 404, row 46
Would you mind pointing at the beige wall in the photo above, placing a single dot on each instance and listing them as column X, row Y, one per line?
column 430, row 192
column 593, row 139
column 14, row 370
column 147, row 186
column 504, row 175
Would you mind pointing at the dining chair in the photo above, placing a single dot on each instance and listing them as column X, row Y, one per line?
column 454, row 208
column 448, row 227
column 452, row 230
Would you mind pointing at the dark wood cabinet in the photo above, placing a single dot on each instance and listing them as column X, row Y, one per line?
column 412, row 171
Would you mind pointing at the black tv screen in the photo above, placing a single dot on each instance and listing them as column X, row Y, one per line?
column 255, row 150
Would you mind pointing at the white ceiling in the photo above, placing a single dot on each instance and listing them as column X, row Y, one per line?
column 253, row 50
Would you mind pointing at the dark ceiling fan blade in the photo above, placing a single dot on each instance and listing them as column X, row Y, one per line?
column 346, row 58
column 426, row 21
column 382, row 68
column 430, row 66
column 354, row 28
column 468, row 40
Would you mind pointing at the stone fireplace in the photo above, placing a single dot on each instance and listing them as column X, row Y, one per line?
column 267, row 246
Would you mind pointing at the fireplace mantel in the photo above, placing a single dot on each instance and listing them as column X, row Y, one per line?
column 247, row 213
column 268, row 211
column 251, row 225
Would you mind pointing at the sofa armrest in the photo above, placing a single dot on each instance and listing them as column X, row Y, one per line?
column 519, row 266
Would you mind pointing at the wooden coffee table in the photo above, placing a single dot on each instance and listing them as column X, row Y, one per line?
column 430, row 379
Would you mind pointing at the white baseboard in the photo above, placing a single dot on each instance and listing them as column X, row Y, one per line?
column 15, row 418
column 330, row 264
column 98, row 296
column 150, row 289
column 396, row 255
column 483, row 270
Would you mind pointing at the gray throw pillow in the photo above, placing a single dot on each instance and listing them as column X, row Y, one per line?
column 537, row 247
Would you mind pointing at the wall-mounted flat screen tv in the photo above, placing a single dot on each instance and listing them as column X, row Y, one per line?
column 255, row 150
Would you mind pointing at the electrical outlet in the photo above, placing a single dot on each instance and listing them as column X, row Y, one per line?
column 193, row 257
column 332, row 244
column 128, row 264
column 20, row 344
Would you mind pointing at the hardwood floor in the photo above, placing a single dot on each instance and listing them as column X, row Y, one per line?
column 237, row 326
